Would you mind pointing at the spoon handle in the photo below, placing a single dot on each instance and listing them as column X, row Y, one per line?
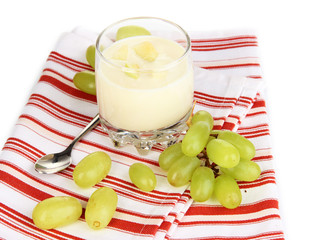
column 90, row 126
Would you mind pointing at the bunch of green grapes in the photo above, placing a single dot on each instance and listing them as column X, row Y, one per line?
column 212, row 161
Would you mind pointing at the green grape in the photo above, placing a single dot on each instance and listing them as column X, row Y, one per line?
column 245, row 171
column 202, row 184
column 91, row 55
column 85, row 81
column 142, row 176
column 227, row 191
column 101, row 208
column 195, row 139
column 245, row 147
column 203, row 116
column 169, row 156
column 222, row 153
column 92, row 169
column 181, row 171
column 131, row 31
column 56, row 212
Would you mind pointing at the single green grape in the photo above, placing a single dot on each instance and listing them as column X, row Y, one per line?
column 181, row 171
column 131, row 31
column 246, row 170
column 195, row 139
column 203, row 116
column 222, row 153
column 90, row 55
column 86, row 82
column 101, row 208
column 92, row 169
column 169, row 156
column 227, row 191
column 142, row 176
column 245, row 147
column 56, row 212
column 202, row 184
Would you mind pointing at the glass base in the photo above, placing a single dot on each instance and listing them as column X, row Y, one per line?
column 143, row 141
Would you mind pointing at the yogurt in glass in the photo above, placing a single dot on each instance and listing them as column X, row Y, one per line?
column 144, row 82
column 141, row 95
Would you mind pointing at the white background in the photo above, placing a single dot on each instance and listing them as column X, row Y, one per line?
column 294, row 48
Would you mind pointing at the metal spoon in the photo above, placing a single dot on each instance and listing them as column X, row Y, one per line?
column 56, row 162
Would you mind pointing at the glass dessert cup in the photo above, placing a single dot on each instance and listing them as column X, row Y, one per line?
column 144, row 82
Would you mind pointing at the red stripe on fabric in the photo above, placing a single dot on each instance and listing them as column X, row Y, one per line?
column 216, row 97
column 223, row 39
column 133, row 227
column 225, row 101
column 32, row 159
column 39, row 195
column 255, row 76
column 74, row 92
column 255, row 132
column 263, row 158
column 233, row 66
column 25, row 145
column 165, row 226
column 60, row 108
column 70, row 59
column 53, row 109
column 242, row 129
column 50, row 59
column 257, row 135
column 261, row 180
column 57, row 73
column 259, row 103
column 229, row 45
column 258, row 184
column 230, row 222
column 210, row 105
column 222, row 48
column 242, row 209
column 23, row 187
column 64, row 62
column 246, row 98
column 217, row 127
column 278, row 235
column 19, row 229
column 219, row 44
column 255, row 113
column 65, row 118
column 269, row 171
column 138, row 214
column 31, row 118
column 242, row 105
column 246, row 101
column 228, row 126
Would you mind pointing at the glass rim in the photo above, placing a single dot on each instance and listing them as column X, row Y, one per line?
column 162, row 68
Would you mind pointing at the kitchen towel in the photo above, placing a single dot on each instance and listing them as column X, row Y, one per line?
column 227, row 82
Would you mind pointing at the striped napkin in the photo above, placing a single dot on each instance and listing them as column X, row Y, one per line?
column 227, row 84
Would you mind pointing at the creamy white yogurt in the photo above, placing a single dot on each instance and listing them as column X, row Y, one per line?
column 158, row 94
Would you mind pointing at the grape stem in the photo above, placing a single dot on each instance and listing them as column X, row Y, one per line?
column 207, row 163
